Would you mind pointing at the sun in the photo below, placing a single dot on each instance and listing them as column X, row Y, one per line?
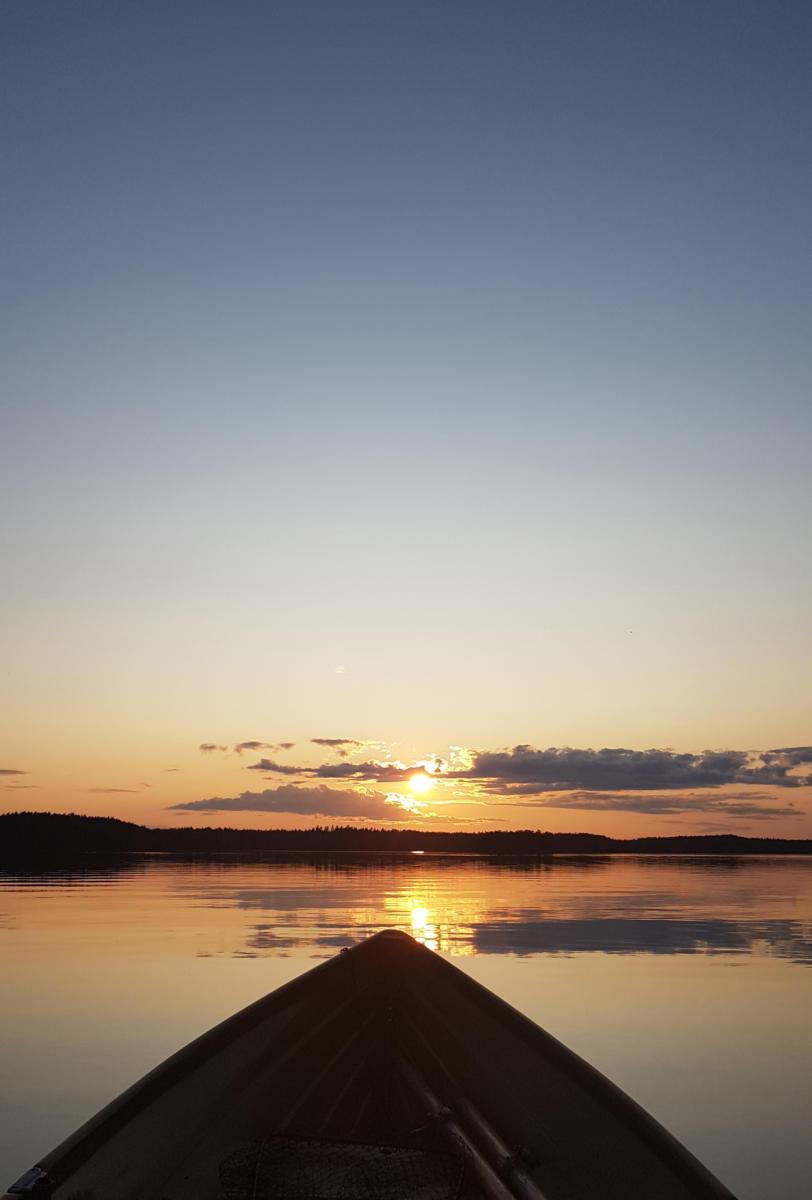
column 419, row 784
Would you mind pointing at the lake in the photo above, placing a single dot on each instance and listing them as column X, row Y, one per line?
column 686, row 980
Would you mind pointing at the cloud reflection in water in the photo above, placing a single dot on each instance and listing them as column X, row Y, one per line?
column 565, row 906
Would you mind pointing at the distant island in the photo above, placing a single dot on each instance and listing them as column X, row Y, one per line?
column 30, row 835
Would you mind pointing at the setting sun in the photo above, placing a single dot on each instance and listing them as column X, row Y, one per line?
column 420, row 784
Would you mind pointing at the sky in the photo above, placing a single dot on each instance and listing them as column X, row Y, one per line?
column 430, row 378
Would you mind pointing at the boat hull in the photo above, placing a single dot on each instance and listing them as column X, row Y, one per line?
column 387, row 1044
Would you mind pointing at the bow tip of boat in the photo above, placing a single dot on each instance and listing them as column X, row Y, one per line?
column 395, row 937
column 390, row 943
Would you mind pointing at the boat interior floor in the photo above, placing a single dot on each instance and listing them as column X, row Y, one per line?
column 366, row 1131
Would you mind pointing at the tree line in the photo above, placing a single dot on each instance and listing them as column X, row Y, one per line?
column 26, row 835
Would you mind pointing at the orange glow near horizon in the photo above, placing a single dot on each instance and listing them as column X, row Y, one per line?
column 149, row 785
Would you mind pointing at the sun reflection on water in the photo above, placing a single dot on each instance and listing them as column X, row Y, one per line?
column 446, row 935
column 420, row 917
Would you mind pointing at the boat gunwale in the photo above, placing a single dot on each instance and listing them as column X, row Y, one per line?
column 609, row 1095
column 127, row 1104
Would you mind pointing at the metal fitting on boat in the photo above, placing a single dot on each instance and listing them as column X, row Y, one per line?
column 35, row 1184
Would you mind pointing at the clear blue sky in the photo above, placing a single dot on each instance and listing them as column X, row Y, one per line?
column 461, row 345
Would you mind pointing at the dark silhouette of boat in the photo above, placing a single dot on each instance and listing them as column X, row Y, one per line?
column 383, row 1074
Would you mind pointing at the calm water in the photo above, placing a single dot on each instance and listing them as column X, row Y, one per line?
column 686, row 981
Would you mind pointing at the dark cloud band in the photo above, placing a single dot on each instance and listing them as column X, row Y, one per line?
column 566, row 769
column 364, row 772
column 319, row 801
column 656, row 804
column 527, row 771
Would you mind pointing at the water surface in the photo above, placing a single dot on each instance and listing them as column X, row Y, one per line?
column 685, row 980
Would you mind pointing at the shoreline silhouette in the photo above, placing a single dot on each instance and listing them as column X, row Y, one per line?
column 30, row 835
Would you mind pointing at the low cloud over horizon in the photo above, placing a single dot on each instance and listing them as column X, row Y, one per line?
column 537, row 771
column 318, row 801
column 369, row 771
column 326, row 801
column 527, row 771
column 654, row 782
column 757, row 806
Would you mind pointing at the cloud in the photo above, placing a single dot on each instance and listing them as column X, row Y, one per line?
column 11, row 771
column 612, row 779
column 323, row 801
column 334, row 742
column 21, row 787
column 110, row 791
column 367, row 772
column 524, row 770
column 791, row 756
column 744, row 805
column 241, row 746
column 266, row 764
column 344, row 746
column 318, row 801
column 618, row 769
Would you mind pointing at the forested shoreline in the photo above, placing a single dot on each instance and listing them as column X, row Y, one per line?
column 27, row 835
